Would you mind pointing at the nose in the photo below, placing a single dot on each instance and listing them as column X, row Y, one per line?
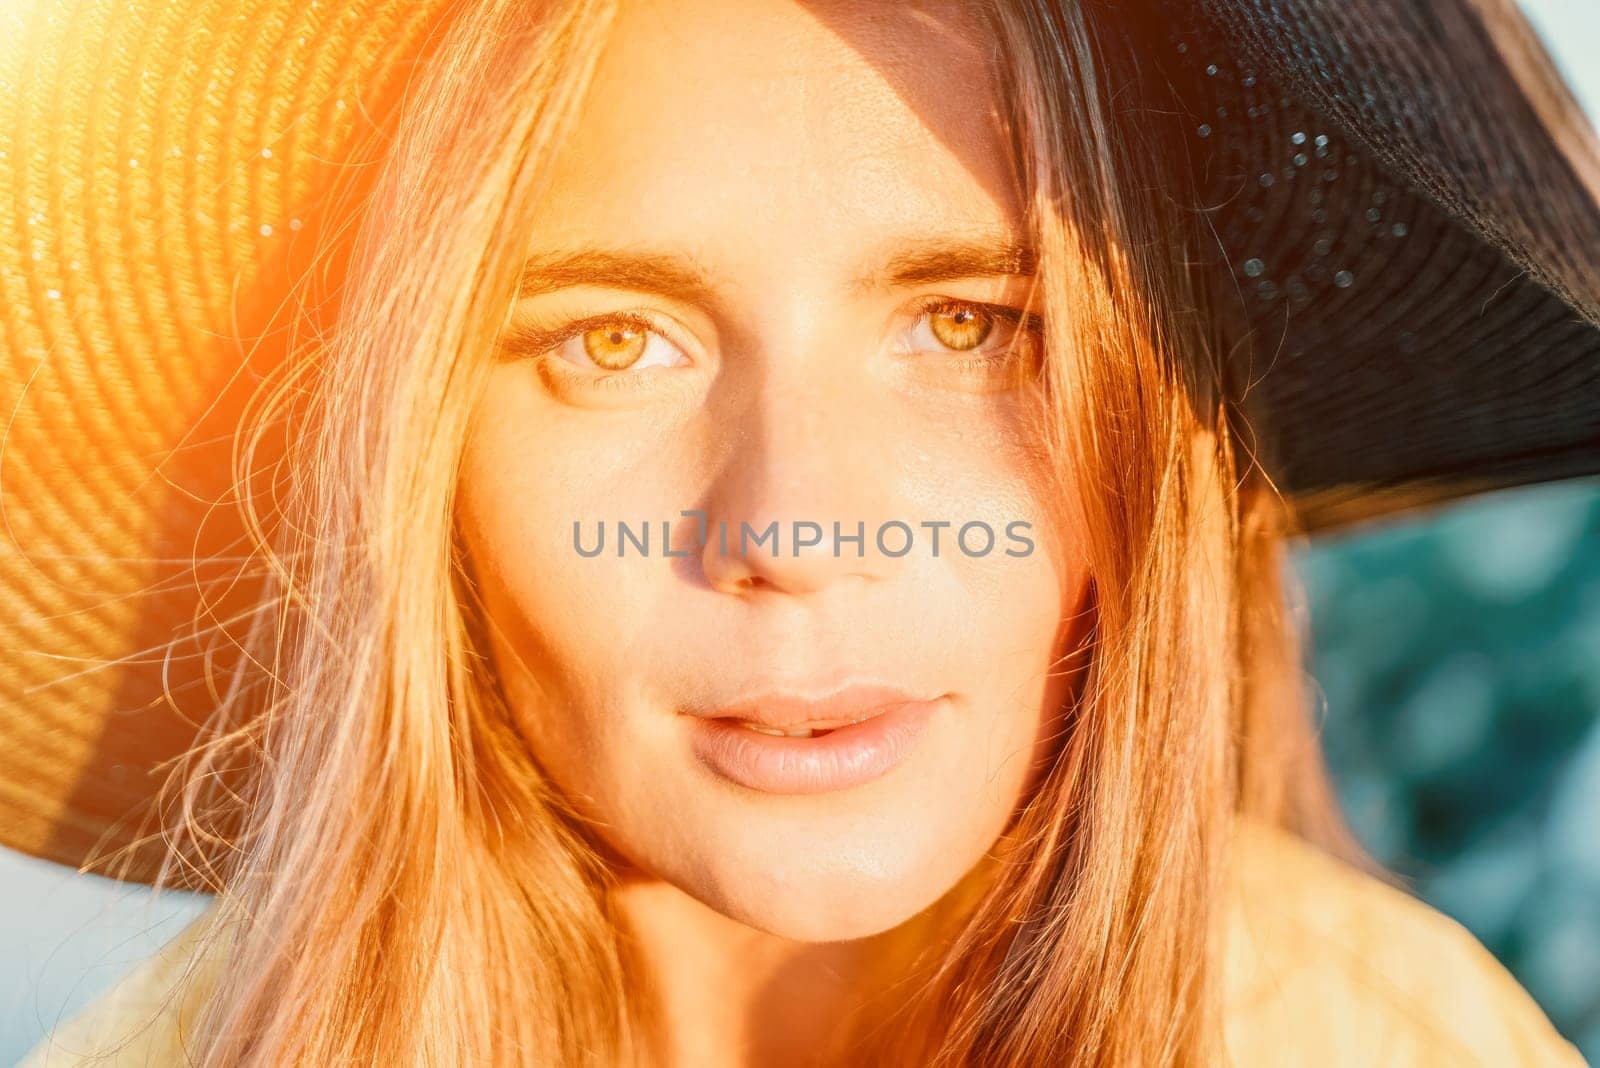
column 808, row 482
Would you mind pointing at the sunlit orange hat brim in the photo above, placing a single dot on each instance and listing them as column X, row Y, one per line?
column 164, row 168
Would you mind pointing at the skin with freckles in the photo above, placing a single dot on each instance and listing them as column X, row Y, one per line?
column 780, row 275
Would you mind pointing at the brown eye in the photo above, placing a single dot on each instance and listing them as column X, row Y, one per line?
column 960, row 327
column 615, row 346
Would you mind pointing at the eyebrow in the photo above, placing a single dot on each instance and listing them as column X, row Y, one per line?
column 944, row 260
column 673, row 276
column 682, row 278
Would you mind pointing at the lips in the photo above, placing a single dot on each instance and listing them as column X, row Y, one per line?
column 781, row 712
column 787, row 744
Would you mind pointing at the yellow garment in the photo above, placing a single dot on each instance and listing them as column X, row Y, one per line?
column 1326, row 968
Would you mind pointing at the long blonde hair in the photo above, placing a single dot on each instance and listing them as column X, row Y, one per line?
column 400, row 887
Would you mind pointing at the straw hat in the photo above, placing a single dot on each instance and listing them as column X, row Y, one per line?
column 1407, row 252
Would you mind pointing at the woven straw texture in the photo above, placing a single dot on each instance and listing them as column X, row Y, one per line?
column 164, row 166
column 1407, row 248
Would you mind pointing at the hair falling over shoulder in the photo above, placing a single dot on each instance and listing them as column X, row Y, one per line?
column 400, row 888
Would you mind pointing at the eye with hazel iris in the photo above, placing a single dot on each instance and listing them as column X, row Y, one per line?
column 982, row 333
column 616, row 346
column 960, row 327
column 615, row 342
column 618, row 343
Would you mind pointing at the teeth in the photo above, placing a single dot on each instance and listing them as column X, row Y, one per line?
column 803, row 732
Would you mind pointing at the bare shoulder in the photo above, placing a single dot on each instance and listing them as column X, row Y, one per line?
column 140, row 1021
column 1330, row 966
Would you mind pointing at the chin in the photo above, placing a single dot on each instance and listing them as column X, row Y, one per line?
column 817, row 886
column 829, row 914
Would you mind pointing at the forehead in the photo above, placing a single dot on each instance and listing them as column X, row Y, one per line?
column 755, row 129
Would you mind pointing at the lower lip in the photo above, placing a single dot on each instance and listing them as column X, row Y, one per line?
column 844, row 757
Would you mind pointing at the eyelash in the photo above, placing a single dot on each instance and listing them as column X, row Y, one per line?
column 540, row 343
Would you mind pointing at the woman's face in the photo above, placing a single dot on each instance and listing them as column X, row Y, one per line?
column 774, row 280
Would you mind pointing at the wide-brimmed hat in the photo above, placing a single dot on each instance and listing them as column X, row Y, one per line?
column 1403, row 198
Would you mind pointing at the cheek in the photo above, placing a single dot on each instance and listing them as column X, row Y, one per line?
column 562, row 626
column 1020, row 608
column 536, row 482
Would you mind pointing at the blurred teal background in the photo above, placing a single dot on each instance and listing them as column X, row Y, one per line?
column 1459, row 661
column 1459, row 657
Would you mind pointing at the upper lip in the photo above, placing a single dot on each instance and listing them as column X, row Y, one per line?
column 793, row 711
